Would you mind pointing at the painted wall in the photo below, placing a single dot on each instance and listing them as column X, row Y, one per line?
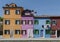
column 27, row 26
column 12, row 17
column 39, row 27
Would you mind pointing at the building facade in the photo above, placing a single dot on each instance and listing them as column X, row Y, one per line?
column 20, row 23
column 27, row 24
column 11, row 22
column 41, row 26
column 55, row 26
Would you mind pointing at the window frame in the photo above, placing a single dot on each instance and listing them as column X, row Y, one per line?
column 36, row 21
column 17, row 12
column 16, row 31
column 48, row 31
column 24, row 32
column 34, row 32
column 7, row 23
column 5, row 32
column 22, row 22
column 5, row 12
column 30, row 22
column 48, row 22
column 17, row 22
column 55, row 23
column 53, row 32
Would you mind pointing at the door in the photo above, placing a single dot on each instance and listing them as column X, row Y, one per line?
column 41, row 33
column 58, row 33
column 30, row 33
column 11, row 34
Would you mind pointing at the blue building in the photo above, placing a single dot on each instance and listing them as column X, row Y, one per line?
column 41, row 27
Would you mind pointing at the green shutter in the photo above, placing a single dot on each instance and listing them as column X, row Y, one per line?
column 36, row 31
column 36, row 22
column 48, row 31
column 47, row 22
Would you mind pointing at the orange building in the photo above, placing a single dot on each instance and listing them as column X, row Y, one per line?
column 12, row 21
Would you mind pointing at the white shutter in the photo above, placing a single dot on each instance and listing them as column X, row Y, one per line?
column 24, row 22
column 30, row 22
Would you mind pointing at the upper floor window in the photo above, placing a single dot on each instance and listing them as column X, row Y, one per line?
column 17, row 12
column 48, row 26
column 7, row 31
column 36, row 31
column 7, row 22
column 36, row 22
column 17, row 22
column 47, row 21
column 7, row 12
column 17, row 31
column 27, row 13
column 24, row 32
column 30, row 22
column 23, row 22
column 54, row 22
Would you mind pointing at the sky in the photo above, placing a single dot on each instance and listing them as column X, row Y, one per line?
column 42, row 7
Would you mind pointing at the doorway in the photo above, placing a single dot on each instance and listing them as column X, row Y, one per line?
column 58, row 33
column 11, row 34
column 30, row 33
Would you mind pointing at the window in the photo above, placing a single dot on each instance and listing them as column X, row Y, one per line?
column 53, row 32
column 17, row 31
column 24, row 32
column 42, row 26
column 17, row 12
column 17, row 22
column 7, row 12
column 36, row 31
column 7, row 22
column 7, row 31
column 23, row 22
column 30, row 22
column 36, row 22
column 54, row 22
column 27, row 13
column 48, row 31
column 48, row 26
column 47, row 22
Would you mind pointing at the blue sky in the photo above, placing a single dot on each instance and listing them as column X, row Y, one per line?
column 42, row 7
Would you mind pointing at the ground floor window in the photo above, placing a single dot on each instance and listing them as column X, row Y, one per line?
column 23, row 32
column 17, row 31
column 53, row 32
column 7, row 31
column 48, row 31
column 36, row 31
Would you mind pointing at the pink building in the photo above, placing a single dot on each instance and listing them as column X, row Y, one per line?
column 27, row 24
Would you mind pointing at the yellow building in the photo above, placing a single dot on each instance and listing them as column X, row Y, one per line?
column 12, row 21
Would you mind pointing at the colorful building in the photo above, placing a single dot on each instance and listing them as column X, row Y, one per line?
column 20, row 23
column 55, row 26
column 12, row 21
column 41, row 26
column 27, row 24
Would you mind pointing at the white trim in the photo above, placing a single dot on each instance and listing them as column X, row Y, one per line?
column 56, row 33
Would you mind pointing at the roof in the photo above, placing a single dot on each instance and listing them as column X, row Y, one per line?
column 45, row 16
column 12, row 5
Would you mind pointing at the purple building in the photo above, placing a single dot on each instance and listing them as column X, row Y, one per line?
column 27, row 24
